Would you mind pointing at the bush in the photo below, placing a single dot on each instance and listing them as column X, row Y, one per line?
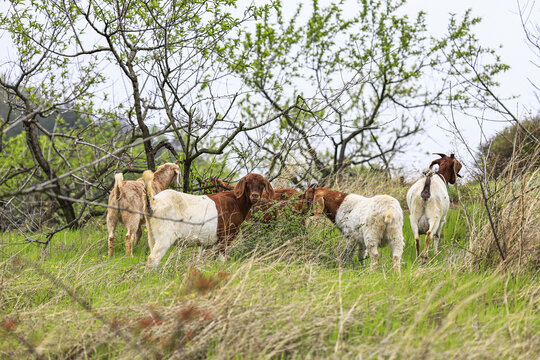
column 512, row 143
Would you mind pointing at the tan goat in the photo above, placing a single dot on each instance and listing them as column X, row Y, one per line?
column 126, row 203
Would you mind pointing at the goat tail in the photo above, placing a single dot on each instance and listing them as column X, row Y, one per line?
column 388, row 216
column 426, row 192
column 118, row 184
column 148, row 178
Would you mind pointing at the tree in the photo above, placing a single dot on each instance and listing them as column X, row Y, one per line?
column 39, row 84
column 354, row 83
column 503, row 172
column 67, row 54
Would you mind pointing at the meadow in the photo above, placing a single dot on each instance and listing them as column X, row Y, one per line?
column 281, row 293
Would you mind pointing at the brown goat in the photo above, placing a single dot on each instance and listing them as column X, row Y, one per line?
column 366, row 223
column 126, row 204
column 215, row 185
column 203, row 220
column 284, row 201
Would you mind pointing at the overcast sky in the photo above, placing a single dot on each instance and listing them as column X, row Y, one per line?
column 501, row 25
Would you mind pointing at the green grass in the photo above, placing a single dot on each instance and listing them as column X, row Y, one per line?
column 291, row 298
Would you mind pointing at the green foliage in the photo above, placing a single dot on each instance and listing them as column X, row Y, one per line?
column 344, row 75
column 516, row 145
column 64, row 154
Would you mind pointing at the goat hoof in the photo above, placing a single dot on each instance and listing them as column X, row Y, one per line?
column 423, row 260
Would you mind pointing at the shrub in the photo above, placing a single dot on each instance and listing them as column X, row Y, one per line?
column 515, row 142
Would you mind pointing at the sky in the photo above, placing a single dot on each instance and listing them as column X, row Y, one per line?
column 501, row 29
column 500, row 26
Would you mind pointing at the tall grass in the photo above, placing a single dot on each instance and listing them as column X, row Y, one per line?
column 284, row 292
column 508, row 239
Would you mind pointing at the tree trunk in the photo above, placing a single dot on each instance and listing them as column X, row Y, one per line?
column 137, row 103
column 32, row 139
column 186, row 186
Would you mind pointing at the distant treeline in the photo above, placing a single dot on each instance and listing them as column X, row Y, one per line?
column 69, row 120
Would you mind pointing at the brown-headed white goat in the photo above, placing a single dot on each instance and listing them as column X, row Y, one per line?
column 368, row 223
column 428, row 202
column 198, row 220
column 126, row 203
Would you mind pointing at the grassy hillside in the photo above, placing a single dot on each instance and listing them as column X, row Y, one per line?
column 281, row 294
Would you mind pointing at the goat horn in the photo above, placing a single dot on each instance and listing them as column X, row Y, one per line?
column 441, row 155
column 438, row 162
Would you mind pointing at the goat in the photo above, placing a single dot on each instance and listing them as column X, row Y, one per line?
column 203, row 220
column 428, row 202
column 368, row 223
column 268, row 209
column 215, row 185
column 126, row 204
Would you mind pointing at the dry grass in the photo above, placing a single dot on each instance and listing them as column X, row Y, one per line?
column 283, row 293
column 514, row 203
column 268, row 307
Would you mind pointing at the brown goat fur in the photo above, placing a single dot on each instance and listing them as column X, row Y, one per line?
column 126, row 204
column 324, row 200
column 215, row 185
column 285, row 201
column 449, row 168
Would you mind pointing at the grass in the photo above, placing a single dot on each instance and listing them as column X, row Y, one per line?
column 281, row 297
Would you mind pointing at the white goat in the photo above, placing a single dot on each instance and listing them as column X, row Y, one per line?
column 368, row 223
column 428, row 202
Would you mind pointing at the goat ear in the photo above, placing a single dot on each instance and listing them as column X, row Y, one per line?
column 456, row 166
column 240, row 188
column 177, row 177
column 269, row 189
column 318, row 205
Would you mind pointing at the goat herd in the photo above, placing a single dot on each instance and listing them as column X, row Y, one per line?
column 215, row 219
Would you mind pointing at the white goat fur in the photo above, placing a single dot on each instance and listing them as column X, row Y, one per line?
column 372, row 223
column 428, row 216
column 191, row 219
